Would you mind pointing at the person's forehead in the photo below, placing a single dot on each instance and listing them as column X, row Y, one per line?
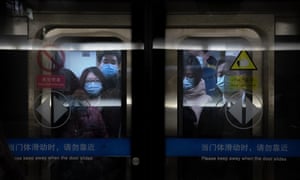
column 109, row 57
column 91, row 74
column 188, row 70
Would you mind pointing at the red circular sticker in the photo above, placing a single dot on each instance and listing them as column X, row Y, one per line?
column 56, row 59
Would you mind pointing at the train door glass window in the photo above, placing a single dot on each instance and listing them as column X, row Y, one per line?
column 217, row 100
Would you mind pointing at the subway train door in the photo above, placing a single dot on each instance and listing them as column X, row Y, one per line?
column 230, row 101
column 75, row 68
column 220, row 93
column 78, row 98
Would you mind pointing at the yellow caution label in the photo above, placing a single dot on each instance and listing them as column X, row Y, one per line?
column 242, row 82
column 243, row 62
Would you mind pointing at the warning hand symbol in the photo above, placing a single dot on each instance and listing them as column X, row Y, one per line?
column 243, row 62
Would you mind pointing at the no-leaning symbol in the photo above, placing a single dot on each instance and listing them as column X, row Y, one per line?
column 55, row 64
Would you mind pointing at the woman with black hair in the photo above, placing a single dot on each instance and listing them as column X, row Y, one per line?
column 194, row 96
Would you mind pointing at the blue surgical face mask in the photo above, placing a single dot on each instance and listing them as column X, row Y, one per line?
column 93, row 88
column 220, row 83
column 109, row 70
column 188, row 83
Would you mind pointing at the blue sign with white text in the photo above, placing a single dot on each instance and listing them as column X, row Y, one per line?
column 175, row 147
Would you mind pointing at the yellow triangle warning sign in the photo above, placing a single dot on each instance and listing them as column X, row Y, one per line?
column 243, row 62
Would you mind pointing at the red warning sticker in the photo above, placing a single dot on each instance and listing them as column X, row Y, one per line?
column 50, row 81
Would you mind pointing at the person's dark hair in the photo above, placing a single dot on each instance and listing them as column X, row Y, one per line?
column 192, row 63
column 86, row 71
column 191, row 60
column 116, row 53
column 71, row 81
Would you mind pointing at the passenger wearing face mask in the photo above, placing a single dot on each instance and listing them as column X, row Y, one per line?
column 223, row 76
column 109, row 63
column 208, row 65
column 195, row 97
column 90, row 121
column 91, row 84
column 86, row 112
column 202, row 119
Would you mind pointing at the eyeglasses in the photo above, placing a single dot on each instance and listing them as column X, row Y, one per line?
column 92, row 80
